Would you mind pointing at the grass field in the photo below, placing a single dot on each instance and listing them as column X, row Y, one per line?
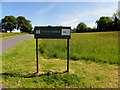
column 19, row 62
column 98, row 47
column 10, row 35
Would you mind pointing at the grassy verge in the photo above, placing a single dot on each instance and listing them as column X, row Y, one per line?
column 10, row 35
column 19, row 61
column 98, row 47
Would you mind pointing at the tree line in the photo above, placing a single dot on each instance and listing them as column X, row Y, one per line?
column 9, row 23
column 103, row 24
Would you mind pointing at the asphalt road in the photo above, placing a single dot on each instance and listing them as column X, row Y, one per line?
column 8, row 43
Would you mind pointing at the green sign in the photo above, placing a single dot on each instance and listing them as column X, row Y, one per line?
column 52, row 32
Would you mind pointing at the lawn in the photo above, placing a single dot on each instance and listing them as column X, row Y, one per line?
column 4, row 36
column 19, row 64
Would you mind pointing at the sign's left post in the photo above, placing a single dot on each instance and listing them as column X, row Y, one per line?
column 37, row 56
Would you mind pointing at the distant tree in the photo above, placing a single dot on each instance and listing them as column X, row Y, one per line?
column 94, row 29
column 0, row 26
column 118, row 13
column 9, row 23
column 81, row 27
column 49, row 25
column 73, row 30
column 23, row 24
column 118, row 24
column 88, row 29
column 104, row 24
column 116, row 20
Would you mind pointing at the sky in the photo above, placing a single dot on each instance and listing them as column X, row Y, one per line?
column 59, row 13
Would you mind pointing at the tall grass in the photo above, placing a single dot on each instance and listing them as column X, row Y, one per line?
column 98, row 47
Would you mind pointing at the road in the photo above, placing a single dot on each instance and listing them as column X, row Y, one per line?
column 8, row 43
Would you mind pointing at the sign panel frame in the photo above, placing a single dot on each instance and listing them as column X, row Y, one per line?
column 52, row 32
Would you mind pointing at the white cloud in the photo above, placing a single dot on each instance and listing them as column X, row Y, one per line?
column 44, row 10
column 70, row 21
column 88, row 16
column 91, row 25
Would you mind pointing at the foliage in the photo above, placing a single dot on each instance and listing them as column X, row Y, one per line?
column 118, row 25
column 19, row 62
column 9, row 23
column 116, row 21
column 118, row 13
column 81, row 27
column 104, row 24
column 98, row 47
column 24, row 24
column 73, row 30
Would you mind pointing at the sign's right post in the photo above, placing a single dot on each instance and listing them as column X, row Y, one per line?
column 37, row 56
column 68, row 55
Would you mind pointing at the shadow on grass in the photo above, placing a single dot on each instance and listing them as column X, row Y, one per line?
column 32, row 74
column 44, row 74
column 11, row 74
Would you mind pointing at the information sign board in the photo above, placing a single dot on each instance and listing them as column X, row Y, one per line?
column 52, row 32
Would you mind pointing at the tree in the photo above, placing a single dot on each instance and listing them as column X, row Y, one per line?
column 50, row 26
column 118, row 24
column 89, row 29
column 73, row 30
column 104, row 24
column 9, row 23
column 81, row 27
column 24, row 24
column 118, row 13
column 0, row 26
column 116, row 21
column 94, row 29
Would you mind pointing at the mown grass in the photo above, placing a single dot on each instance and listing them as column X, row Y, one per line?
column 98, row 47
column 4, row 36
column 19, row 61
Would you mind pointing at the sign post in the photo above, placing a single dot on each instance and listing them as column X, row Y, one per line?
column 37, row 56
column 68, row 55
column 49, row 32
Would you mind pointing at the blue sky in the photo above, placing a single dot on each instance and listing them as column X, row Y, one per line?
column 60, row 13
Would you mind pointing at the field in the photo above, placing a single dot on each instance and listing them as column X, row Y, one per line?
column 98, row 47
column 19, row 63
column 10, row 35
